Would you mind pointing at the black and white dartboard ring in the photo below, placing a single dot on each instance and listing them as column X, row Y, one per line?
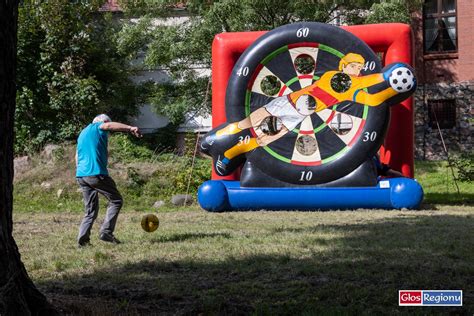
column 328, row 144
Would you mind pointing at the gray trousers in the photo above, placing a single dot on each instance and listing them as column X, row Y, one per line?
column 91, row 187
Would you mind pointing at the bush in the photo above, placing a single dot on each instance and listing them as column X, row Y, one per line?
column 123, row 148
column 463, row 164
column 126, row 148
column 141, row 176
column 69, row 70
column 195, row 176
column 173, row 175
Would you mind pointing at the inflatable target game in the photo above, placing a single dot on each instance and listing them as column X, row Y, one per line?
column 303, row 114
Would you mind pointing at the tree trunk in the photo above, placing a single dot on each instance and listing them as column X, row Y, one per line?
column 18, row 294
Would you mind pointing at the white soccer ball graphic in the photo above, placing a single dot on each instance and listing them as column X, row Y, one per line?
column 402, row 79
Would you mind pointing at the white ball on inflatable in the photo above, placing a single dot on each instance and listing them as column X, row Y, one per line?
column 402, row 79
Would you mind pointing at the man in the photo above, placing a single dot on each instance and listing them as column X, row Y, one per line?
column 93, row 177
column 384, row 170
column 333, row 87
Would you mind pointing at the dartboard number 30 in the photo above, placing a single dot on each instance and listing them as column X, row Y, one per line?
column 369, row 136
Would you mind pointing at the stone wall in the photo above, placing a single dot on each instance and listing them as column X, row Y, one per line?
column 428, row 144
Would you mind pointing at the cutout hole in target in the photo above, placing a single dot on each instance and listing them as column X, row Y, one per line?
column 341, row 82
column 304, row 64
column 341, row 124
column 306, row 145
column 271, row 125
column 270, row 85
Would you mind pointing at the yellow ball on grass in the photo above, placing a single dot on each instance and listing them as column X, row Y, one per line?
column 150, row 223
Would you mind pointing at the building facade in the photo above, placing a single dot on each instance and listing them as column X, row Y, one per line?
column 444, row 62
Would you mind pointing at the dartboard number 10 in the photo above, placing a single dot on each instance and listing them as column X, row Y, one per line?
column 306, row 176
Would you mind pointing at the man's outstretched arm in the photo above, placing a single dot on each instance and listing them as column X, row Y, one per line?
column 360, row 96
column 369, row 80
column 120, row 127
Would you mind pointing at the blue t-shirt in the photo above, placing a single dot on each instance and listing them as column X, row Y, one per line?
column 92, row 151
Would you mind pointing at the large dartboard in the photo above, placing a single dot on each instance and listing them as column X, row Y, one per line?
column 327, row 144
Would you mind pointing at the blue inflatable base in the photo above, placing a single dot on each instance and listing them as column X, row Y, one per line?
column 395, row 193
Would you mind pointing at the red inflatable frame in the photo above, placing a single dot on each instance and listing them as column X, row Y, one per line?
column 394, row 40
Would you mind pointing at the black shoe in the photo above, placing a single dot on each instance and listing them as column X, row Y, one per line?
column 109, row 238
column 220, row 165
column 211, row 144
column 206, row 142
column 83, row 243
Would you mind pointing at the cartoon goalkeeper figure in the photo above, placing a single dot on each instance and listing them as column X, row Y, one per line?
column 229, row 141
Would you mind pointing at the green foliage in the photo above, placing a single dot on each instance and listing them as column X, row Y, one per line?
column 192, row 175
column 389, row 11
column 438, row 184
column 74, row 62
column 463, row 164
column 122, row 148
column 69, row 70
column 134, row 177
column 126, row 148
column 171, row 172
column 174, row 100
column 175, row 174
column 184, row 50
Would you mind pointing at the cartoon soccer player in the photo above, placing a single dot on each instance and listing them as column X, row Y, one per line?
column 227, row 142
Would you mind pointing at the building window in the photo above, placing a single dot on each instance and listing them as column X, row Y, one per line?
column 442, row 112
column 439, row 26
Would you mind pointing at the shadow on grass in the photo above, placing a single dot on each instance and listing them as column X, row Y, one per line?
column 355, row 269
column 188, row 236
column 449, row 198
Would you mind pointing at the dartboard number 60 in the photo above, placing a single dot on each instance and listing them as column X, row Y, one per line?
column 302, row 32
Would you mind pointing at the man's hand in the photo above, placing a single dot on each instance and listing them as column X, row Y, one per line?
column 135, row 131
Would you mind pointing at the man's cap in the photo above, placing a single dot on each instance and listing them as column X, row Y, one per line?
column 101, row 118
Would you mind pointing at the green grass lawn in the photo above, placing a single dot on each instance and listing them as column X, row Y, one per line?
column 151, row 182
column 261, row 263
column 439, row 185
